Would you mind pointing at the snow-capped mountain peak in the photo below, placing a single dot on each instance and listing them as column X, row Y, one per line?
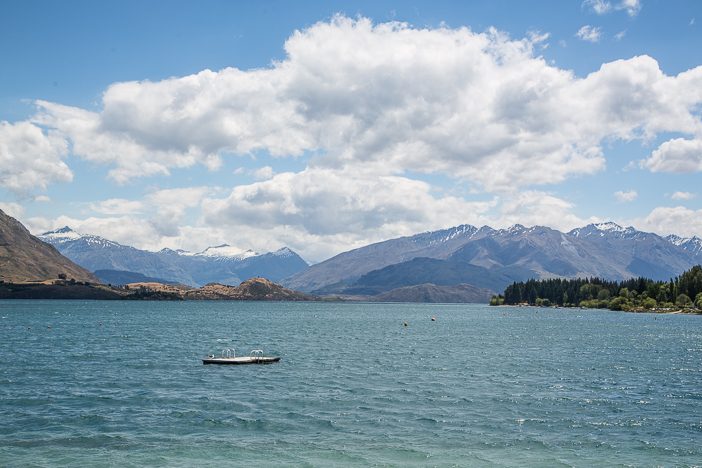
column 222, row 263
column 602, row 230
column 608, row 226
column 676, row 240
column 68, row 236
column 283, row 252
column 445, row 235
column 227, row 251
column 169, row 251
column 690, row 244
column 513, row 229
column 61, row 235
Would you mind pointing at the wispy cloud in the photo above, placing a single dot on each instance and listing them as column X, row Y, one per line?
column 632, row 7
column 263, row 173
column 598, row 6
column 601, row 7
column 683, row 196
column 626, row 196
column 620, row 35
column 117, row 206
column 589, row 33
column 538, row 38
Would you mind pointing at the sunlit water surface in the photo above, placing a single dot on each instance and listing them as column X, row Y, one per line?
column 94, row 383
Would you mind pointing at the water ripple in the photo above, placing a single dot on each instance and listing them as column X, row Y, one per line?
column 113, row 383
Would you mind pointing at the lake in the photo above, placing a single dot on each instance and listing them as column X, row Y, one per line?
column 102, row 383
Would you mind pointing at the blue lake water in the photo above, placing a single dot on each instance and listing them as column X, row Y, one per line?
column 95, row 383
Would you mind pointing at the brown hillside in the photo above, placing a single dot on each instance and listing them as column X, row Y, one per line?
column 23, row 257
column 254, row 289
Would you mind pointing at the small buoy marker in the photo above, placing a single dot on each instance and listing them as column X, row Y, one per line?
column 405, row 323
column 433, row 318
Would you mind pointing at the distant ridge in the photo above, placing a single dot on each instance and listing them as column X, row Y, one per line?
column 24, row 257
column 342, row 269
column 432, row 293
column 120, row 277
column 218, row 264
column 493, row 258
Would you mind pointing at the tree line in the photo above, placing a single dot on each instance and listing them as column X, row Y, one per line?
column 632, row 294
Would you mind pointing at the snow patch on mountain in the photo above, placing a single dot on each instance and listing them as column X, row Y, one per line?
column 601, row 229
column 608, row 227
column 61, row 235
column 690, row 244
column 676, row 240
column 227, row 251
column 459, row 231
column 66, row 234
column 283, row 252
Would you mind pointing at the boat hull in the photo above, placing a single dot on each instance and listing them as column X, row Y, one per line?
column 239, row 360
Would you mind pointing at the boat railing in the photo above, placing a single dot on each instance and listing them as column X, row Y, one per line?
column 256, row 353
column 229, row 352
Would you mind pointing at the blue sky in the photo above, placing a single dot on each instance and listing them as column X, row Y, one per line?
column 328, row 125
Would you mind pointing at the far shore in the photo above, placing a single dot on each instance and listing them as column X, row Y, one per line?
column 655, row 310
column 253, row 289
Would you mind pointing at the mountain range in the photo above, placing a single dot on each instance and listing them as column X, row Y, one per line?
column 23, row 257
column 224, row 264
column 460, row 264
column 493, row 258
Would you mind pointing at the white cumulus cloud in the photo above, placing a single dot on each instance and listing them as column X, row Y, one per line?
column 476, row 106
column 93, row 139
column 318, row 212
column 678, row 220
column 31, row 158
column 117, row 206
column 533, row 207
column 168, row 207
column 326, row 201
column 321, row 209
column 127, row 230
column 374, row 104
column 677, row 155
column 12, row 209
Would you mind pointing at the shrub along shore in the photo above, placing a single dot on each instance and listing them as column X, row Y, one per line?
column 683, row 293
